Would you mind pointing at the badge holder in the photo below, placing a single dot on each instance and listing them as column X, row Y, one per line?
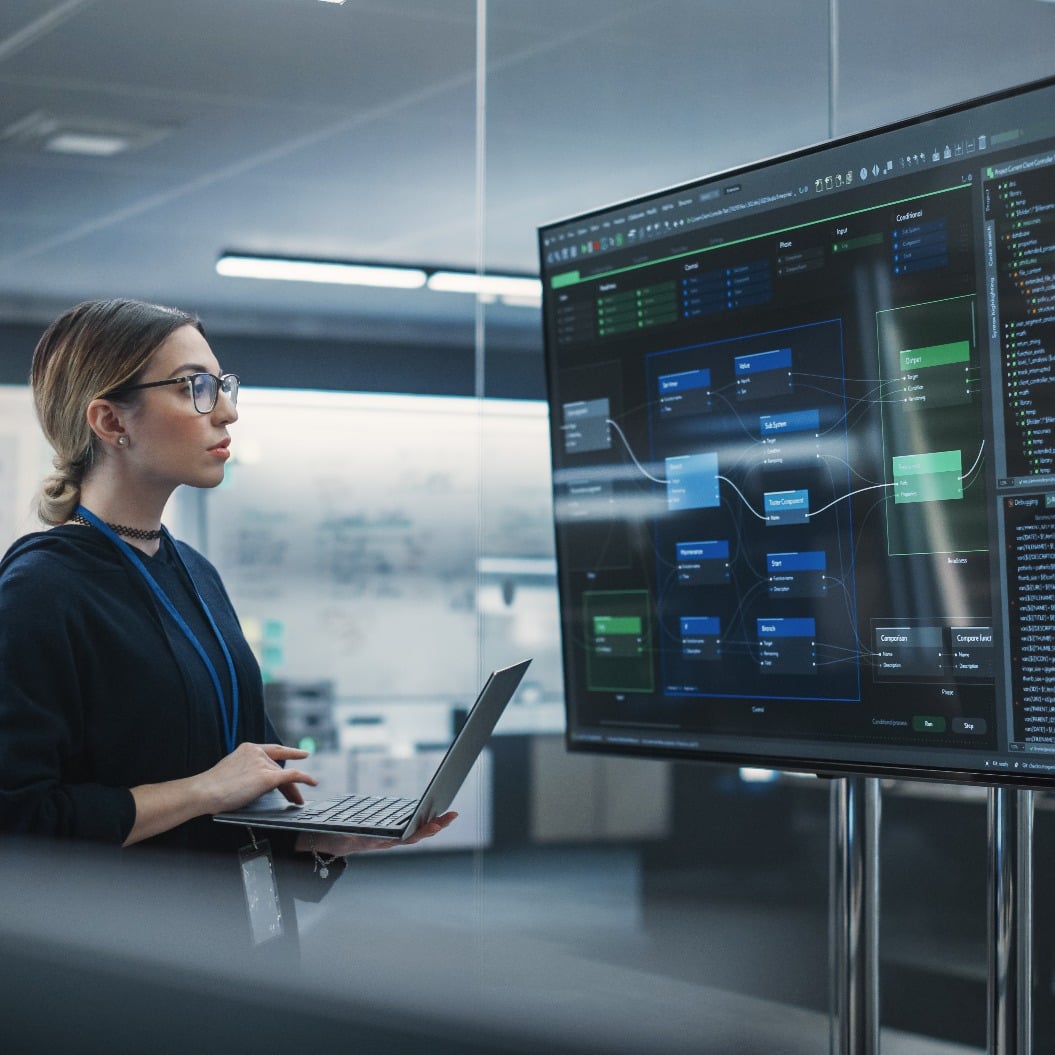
column 261, row 890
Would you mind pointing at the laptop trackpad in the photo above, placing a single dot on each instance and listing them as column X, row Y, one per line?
column 270, row 800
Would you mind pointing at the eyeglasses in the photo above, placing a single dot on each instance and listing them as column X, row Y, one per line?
column 205, row 389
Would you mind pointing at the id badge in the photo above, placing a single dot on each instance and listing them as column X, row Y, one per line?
column 261, row 891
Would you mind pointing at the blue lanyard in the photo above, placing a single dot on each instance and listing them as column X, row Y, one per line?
column 230, row 723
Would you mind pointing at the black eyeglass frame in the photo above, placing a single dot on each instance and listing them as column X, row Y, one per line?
column 223, row 384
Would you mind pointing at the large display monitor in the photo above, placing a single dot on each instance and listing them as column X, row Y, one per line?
column 803, row 436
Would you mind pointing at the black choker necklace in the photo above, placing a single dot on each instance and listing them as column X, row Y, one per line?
column 119, row 529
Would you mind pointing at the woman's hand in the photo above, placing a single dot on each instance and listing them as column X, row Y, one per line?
column 341, row 845
column 248, row 772
column 243, row 775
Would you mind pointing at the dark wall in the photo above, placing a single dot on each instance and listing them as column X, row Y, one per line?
column 511, row 371
column 17, row 342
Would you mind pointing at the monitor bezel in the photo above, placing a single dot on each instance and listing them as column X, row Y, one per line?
column 791, row 762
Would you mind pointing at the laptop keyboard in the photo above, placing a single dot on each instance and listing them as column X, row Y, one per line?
column 368, row 811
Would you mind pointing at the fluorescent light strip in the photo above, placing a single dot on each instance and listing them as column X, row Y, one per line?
column 91, row 144
column 513, row 290
column 536, row 567
column 284, row 270
column 485, row 285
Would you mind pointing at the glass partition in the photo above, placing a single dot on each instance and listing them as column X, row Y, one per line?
column 389, row 540
column 592, row 104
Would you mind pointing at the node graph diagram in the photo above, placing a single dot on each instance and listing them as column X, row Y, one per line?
column 759, row 452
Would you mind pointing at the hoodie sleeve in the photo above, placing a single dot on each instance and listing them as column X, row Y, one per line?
column 45, row 772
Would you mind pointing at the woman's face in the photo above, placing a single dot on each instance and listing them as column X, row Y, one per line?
column 170, row 443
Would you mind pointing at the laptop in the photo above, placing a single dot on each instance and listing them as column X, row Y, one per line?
column 383, row 816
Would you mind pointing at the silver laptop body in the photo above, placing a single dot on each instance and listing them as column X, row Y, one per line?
column 383, row 816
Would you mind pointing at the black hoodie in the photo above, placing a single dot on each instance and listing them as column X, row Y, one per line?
column 101, row 691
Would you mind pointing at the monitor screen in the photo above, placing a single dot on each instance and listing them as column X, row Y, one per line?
column 803, row 441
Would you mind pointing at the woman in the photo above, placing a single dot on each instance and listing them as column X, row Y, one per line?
column 131, row 707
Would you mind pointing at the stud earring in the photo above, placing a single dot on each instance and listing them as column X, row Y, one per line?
column 122, row 441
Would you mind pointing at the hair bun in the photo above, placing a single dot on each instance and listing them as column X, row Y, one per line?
column 60, row 494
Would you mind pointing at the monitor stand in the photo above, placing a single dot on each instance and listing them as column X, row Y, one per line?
column 853, row 923
column 1010, row 894
column 854, row 918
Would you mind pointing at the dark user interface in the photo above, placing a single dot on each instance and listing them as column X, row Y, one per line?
column 803, row 428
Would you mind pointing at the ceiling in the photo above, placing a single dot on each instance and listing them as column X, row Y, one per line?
column 353, row 132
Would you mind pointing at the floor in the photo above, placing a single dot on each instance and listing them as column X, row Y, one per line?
column 583, row 949
column 714, row 943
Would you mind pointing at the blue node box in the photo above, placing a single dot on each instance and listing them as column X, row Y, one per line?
column 703, row 563
column 792, row 421
column 796, row 574
column 692, row 481
column 762, row 375
column 700, row 637
column 787, row 507
column 688, row 392
column 787, row 646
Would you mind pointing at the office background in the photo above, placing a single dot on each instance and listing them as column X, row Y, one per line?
column 384, row 527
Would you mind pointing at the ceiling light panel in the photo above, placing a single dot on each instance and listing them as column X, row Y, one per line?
column 90, row 135
column 234, row 265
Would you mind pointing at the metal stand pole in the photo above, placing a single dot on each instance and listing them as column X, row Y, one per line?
column 853, row 925
column 1010, row 1023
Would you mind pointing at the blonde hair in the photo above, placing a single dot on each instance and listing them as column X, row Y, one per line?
column 88, row 352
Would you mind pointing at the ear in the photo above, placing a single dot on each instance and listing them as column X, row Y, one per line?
column 106, row 420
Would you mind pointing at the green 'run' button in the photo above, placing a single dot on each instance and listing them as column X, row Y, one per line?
column 926, row 723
